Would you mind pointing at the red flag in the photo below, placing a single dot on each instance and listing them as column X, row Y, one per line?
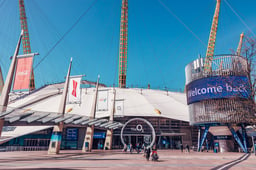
column 74, row 91
column 74, row 88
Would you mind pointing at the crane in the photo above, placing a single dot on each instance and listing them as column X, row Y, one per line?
column 212, row 38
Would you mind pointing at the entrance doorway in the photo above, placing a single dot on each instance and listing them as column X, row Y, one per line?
column 138, row 130
column 169, row 142
column 137, row 139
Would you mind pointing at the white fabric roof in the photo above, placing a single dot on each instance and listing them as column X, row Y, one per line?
column 136, row 102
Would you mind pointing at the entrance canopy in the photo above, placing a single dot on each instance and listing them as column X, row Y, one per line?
column 37, row 118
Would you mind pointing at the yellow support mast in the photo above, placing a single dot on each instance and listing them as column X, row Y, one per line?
column 26, row 40
column 212, row 38
column 238, row 51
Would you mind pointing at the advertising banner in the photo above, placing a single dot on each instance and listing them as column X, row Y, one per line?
column 74, row 91
column 102, row 100
column 23, row 73
column 218, row 87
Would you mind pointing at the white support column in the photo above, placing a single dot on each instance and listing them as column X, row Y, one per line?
column 54, row 147
column 108, row 140
column 109, row 135
column 88, row 139
column 4, row 98
column 198, row 138
column 253, row 145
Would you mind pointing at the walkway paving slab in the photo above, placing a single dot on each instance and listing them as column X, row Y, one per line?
column 118, row 160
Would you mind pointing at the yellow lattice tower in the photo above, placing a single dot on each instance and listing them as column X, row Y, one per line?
column 123, row 44
column 212, row 38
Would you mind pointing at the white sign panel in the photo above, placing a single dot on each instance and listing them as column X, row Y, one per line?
column 119, row 107
column 102, row 100
column 74, row 91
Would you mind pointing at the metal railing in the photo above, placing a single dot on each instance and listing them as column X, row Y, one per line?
column 221, row 65
column 22, row 148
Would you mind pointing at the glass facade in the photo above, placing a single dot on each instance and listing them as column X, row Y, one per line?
column 170, row 133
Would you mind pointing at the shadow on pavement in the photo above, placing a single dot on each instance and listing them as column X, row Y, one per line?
column 232, row 163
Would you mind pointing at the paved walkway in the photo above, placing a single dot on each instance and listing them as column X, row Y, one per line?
column 117, row 160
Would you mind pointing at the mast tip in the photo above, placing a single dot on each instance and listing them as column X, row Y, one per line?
column 22, row 32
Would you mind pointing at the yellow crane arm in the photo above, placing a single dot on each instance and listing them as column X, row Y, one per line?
column 212, row 38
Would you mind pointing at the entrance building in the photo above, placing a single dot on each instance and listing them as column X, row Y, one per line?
column 166, row 111
column 169, row 133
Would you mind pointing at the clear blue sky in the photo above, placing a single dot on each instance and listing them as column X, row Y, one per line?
column 159, row 45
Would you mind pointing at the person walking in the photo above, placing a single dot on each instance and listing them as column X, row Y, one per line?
column 137, row 147
column 187, row 148
column 125, row 148
column 131, row 148
column 148, row 150
column 181, row 147
column 154, row 153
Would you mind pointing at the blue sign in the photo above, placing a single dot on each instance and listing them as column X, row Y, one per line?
column 71, row 134
column 56, row 136
column 224, row 137
column 99, row 135
column 218, row 87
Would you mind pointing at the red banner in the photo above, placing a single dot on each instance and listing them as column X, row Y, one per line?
column 23, row 73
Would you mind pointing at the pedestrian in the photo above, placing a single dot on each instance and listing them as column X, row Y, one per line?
column 144, row 149
column 181, row 147
column 148, row 150
column 255, row 149
column 125, row 148
column 206, row 141
column 128, row 148
column 187, row 148
column 131, row 148
column 154, row 153
column 138, row 147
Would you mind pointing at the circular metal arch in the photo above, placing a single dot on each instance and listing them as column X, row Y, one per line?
column 147, row 122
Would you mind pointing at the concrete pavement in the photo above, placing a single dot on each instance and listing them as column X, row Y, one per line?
column 117, row 160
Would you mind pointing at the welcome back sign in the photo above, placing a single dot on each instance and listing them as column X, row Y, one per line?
column 218, row 87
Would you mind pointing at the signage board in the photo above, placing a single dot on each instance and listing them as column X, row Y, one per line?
column 222, row 137
column 102, row 100
column 218, row 87
column 99, row 135
column 72, row 134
